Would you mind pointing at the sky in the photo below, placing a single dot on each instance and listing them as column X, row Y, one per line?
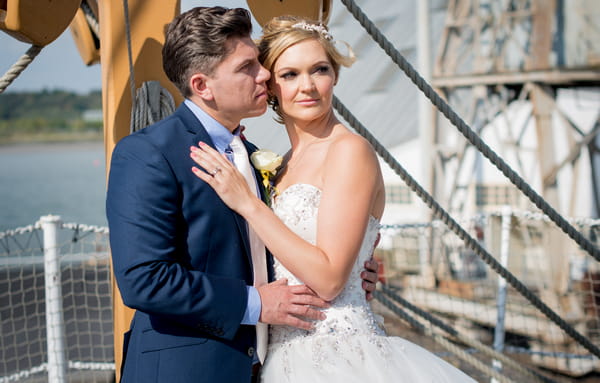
column 59, row 66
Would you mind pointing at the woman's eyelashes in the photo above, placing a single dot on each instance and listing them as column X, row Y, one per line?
column 288, row 75
column 321, row 69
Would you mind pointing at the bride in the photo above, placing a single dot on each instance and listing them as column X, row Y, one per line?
column 324, row 221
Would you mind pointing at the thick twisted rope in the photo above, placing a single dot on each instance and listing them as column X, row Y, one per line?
column 152, row 103
column 90, row 18
column 6, row 236
column 466, row 131
column 81, row 228
column 460, row 232
column 19, row 67
column 20, row 230
column 484, row 349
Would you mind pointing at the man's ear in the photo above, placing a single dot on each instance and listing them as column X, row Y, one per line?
column 200, row 87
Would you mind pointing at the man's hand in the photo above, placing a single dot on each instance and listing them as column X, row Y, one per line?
column 290, row 305
column 369, row 277
column 370, row 274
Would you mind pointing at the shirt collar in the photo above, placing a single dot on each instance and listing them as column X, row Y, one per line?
column 219, row 134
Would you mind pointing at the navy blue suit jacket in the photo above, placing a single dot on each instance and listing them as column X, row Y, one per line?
column 181, row 258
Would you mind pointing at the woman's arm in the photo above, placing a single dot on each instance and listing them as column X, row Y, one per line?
column 351, row 181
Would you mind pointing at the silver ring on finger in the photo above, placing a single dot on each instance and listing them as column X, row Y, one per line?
column 214, row 172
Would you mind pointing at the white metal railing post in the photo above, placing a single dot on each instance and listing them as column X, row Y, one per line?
column 55, row 328
column 425, row 109
column 499, row 331
column 425, row 270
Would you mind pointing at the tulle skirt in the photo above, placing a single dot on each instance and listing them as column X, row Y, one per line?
column 358, row 358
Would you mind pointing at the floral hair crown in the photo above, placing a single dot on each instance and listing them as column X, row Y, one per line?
column 319, row 28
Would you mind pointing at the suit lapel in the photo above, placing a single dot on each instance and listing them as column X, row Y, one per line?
column 199, row 133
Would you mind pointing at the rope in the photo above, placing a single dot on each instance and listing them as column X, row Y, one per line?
column 454, row 349
column 20, row 230
column 85, row 228
column 486, row 350
column 551, row 354
column 152, row 104
column 129, row 50
column 466, row 131
column 8, row 235
column 460, row 232
column 480, row 218
column 19, row 67
column 91, row 19
column 530, row 215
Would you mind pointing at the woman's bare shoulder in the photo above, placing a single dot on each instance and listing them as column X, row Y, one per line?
column 351, row 144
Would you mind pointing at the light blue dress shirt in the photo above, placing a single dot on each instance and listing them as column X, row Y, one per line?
column 221, row 138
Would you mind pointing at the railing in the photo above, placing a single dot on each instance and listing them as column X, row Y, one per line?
column 55, row 303
column 56, row 299
column 428, row 266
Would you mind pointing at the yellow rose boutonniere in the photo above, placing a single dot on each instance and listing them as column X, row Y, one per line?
column 267, row 163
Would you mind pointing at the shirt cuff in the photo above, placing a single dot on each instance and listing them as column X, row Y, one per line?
column 253, row 307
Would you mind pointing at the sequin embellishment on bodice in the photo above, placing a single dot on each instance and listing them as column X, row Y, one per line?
column 350, row 313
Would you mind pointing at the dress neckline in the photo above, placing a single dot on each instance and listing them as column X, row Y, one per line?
column 297, row 184
column 372, row 219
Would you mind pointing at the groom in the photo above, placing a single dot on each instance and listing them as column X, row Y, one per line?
column 181, row 258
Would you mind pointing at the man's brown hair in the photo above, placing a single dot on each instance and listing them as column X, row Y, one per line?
column 195, row 41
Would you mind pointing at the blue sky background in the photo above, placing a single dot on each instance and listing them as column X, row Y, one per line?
column 59, row 65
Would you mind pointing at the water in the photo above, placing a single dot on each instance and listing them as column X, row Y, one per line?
column 66, row 179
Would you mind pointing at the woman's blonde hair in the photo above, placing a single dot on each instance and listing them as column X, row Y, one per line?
column 282, row 32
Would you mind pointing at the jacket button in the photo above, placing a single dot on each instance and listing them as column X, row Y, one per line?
column 251, row 351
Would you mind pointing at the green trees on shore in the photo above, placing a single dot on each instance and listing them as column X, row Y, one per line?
column 50, row 115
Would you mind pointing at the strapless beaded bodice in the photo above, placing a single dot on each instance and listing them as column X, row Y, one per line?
column 350, row 313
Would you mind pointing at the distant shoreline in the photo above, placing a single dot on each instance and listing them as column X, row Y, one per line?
column 51, row 138
column 50, row 147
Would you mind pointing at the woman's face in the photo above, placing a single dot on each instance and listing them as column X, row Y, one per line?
column 303, row 80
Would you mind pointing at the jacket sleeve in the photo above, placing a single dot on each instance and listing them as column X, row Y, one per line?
column 149, row 253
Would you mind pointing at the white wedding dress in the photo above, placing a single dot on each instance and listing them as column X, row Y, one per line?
column 348, row 346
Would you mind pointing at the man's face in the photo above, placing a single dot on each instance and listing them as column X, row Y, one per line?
column 238, row 84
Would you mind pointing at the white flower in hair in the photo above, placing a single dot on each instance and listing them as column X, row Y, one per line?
column 314, row 27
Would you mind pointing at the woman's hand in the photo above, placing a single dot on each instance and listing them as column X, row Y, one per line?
column 222, row 175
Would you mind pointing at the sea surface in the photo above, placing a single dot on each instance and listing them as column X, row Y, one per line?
column 65, row 179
